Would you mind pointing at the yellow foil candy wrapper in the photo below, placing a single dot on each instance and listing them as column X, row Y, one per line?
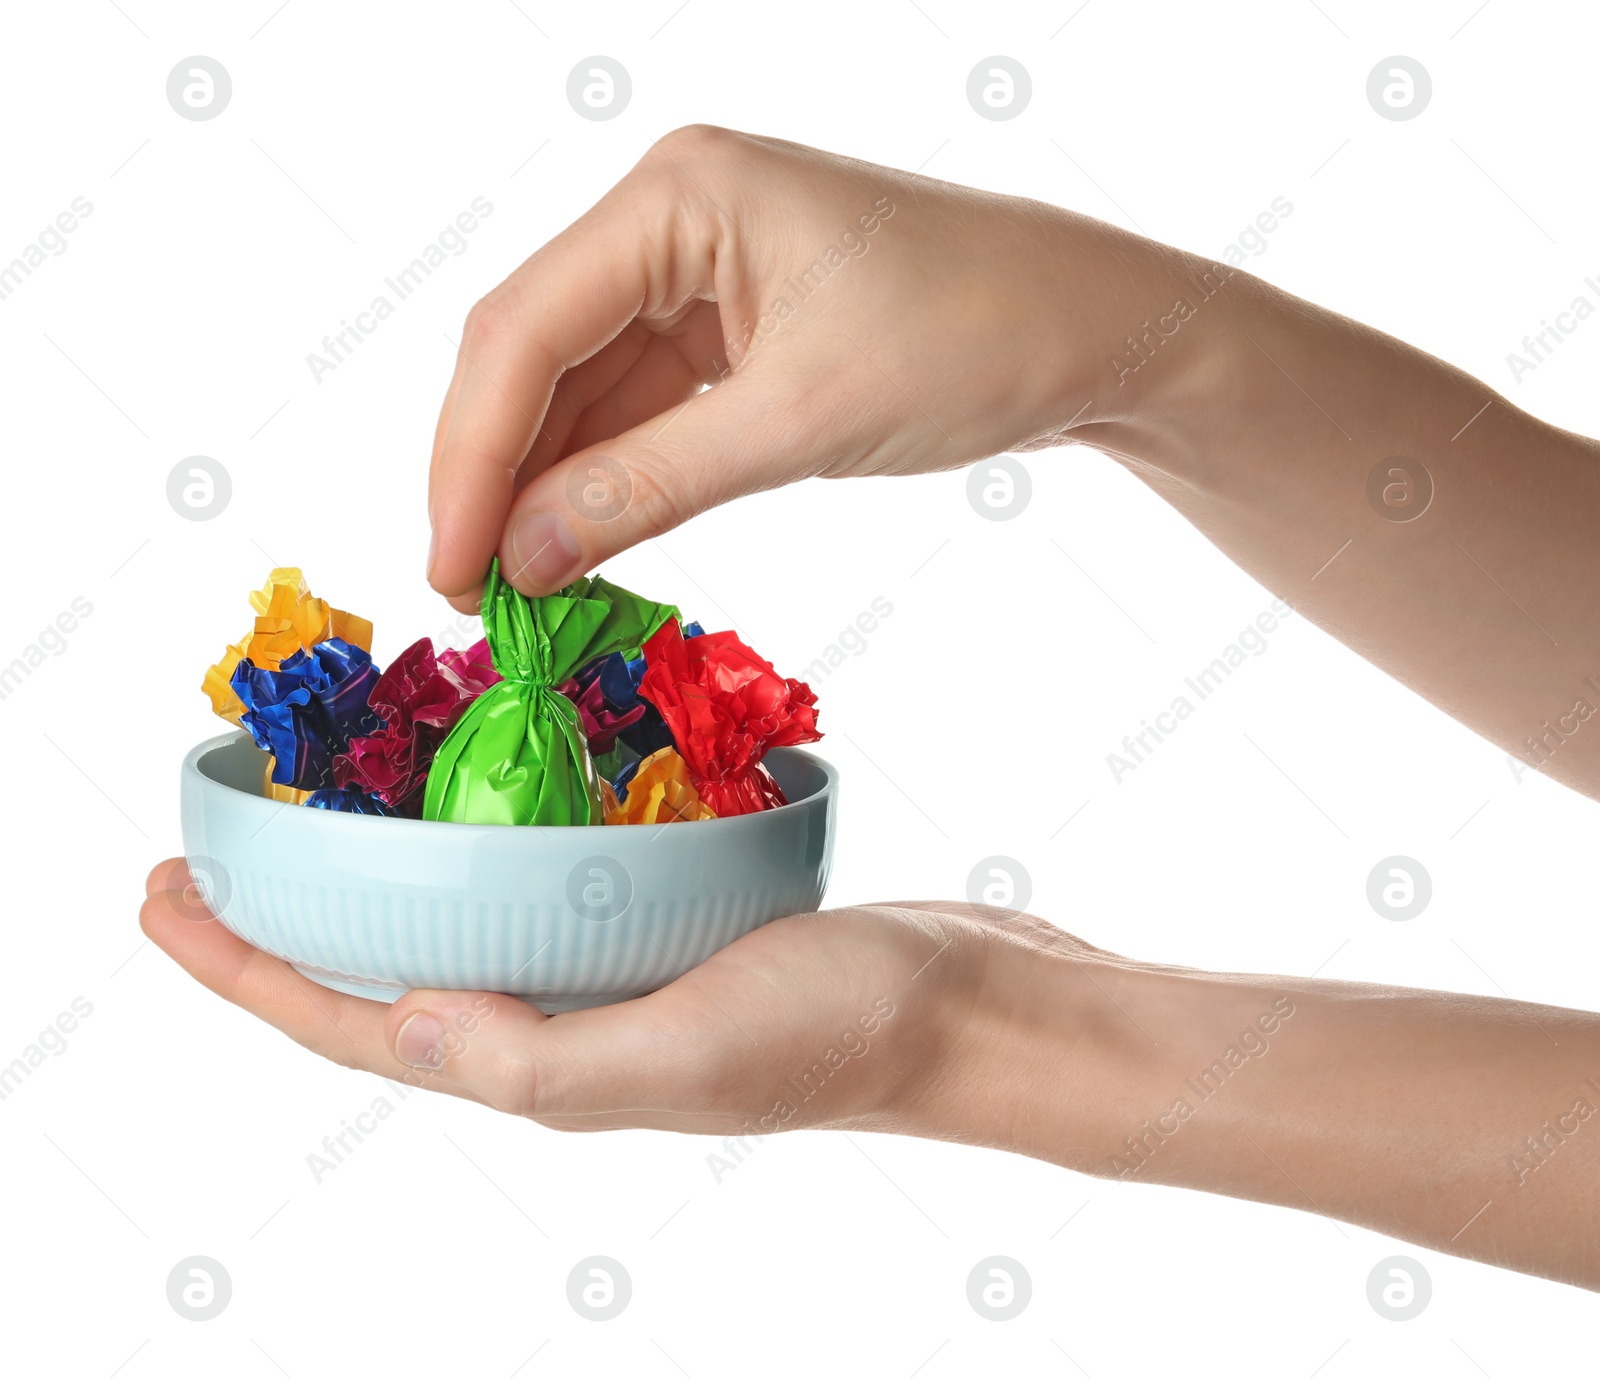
column 283, row 794
column 288, row 620
column 660, row 793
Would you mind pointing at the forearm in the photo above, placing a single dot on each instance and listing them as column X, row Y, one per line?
column 1465, row 1124
column 1263, row 419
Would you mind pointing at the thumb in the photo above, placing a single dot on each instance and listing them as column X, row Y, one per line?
column 588, row 1064
column 735, row 438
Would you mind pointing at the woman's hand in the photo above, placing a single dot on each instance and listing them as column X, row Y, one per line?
column 858, row 320
column 878, row 1017
column 1465, row 1124
column 853, row 319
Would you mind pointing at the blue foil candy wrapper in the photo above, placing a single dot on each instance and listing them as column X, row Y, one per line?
column 351, row 802
column 619, row 686
column 306, row 711
column 624, row 778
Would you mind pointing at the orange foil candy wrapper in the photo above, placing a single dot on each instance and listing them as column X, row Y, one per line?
column 660, row 792
column 283, row 794
column 288, row 620
column 369, row 741
column 726, row 707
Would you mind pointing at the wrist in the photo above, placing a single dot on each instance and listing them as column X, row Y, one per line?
column 1037, row 1050
column 1168, row 357
column 1097, row 1062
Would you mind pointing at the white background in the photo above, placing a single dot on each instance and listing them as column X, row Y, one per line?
column 177, row 322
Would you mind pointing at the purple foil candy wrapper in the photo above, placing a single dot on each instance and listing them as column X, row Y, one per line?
column 419, row 699
column 612, row 683
column 603, row 722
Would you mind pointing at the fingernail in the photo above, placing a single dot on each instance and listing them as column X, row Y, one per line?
column 192, row 905
column 419, row 1041
column 544, row 552
column 433, row 551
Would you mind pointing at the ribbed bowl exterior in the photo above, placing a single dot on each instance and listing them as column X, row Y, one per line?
column 563, row 917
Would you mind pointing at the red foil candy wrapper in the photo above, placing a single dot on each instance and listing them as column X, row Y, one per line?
column 420, row 698
column 726, row 708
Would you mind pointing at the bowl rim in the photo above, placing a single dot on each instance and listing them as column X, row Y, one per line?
column 267, row 807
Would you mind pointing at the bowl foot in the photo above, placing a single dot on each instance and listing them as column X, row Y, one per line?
column 387, row 992
column 390, row 992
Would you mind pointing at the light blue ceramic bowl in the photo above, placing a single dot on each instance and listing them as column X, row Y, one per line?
column 563, row 917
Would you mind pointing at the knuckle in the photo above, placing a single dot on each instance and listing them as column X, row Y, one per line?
column 695, row 142
column 492, row 322
column 658, row 499
column 151, row 913
column 515, row 1087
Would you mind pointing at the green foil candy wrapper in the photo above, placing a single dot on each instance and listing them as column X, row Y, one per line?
column 518, row 755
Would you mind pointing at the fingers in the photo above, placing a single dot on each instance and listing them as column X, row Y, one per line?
column 590, row 1065
column 169, row 875
column 479, row 1044
column 505, row 386
column 326, row 1021
column 638, row 1063
column 734, row 439
column 632, row 1063
column 345, row 1029
column 574, row 391
column 636, row 376
column 659, row 377
column 558, row 309
column 580, row 388
column 470, row 602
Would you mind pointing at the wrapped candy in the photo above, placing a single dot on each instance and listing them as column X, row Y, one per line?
column 473, row 667
column 621, row 727
column 306, row 711
column 349, row 802
column 660, row 792
column 518, row 754
column 288, row 620
column 624, row 778
column 726, row 707
column 602, row 720
column 419, row 698
column 283, row 794
column 619, row 683
column 531, row 725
